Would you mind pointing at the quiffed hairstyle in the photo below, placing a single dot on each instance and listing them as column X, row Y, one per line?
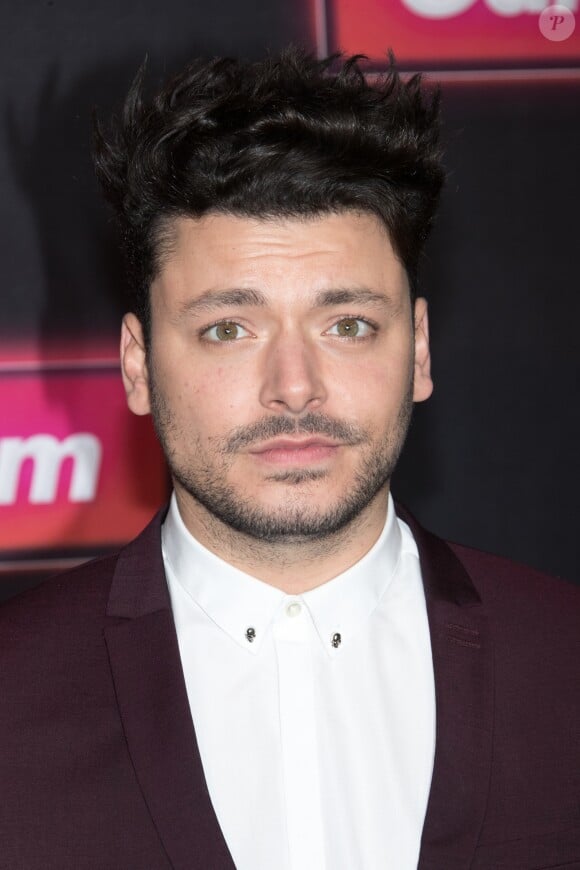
column 285, row 137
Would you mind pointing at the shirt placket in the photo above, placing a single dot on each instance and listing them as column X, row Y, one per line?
column 292, row 638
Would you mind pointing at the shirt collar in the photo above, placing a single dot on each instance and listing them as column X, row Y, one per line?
column 344, row 604
column 236, row 601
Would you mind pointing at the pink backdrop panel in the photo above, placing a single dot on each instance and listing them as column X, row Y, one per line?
column 464, row 33
column 77, row 470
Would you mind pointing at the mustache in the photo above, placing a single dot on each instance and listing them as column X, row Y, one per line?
column 310, row 424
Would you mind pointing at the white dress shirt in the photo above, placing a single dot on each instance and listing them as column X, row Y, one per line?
column 315, row 713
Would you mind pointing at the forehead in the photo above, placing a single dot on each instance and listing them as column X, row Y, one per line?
column 306, row 254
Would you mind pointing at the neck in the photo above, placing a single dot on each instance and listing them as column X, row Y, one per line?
column 294, row 566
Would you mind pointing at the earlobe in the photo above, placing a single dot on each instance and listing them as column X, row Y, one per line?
column 134, row 365
column 423, row 385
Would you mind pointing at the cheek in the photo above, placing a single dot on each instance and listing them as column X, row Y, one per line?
column 214, row 400
column 374, row 389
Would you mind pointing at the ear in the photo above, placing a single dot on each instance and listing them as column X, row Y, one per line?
column 423, row 385
column 134, row 365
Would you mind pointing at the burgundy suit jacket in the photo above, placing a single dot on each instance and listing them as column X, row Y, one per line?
column 99, row 767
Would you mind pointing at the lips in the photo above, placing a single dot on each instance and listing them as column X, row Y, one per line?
column 293, row 451
column 294, row 444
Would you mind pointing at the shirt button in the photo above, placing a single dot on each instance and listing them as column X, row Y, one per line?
column 293, row 609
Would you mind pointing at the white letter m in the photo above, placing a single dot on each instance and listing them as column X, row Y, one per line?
column 47, row 454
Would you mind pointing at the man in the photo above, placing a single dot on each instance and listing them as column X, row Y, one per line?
column 281, row 671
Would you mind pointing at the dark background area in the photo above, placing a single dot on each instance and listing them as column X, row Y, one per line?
column 491, row 459
column 493, row 456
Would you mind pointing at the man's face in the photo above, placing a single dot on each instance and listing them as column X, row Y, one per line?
column 282, row 369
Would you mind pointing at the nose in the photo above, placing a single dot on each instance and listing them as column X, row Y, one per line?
column 292, row 376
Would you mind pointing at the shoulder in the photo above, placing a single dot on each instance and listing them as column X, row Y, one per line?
column 534, row 618
column 501, row 580
column 496, row 581
column 530, row 611
column 73, row 599
column 75, row 602
column 53, row 649
column 51, row 644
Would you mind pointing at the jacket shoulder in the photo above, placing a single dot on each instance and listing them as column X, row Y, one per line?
column 67, row 598
column 82, row 592
column 526, row 605
column 497, row 575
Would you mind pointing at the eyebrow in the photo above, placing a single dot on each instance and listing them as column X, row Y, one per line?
column 223, row 299
column 353, row 296
column 212, row 299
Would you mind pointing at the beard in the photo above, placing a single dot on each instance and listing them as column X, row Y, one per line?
column 203, row 472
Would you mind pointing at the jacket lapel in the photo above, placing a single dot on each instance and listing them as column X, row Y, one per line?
column 152, row 699
column 463, row 668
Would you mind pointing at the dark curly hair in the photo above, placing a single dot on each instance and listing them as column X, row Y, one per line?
column 289, row 136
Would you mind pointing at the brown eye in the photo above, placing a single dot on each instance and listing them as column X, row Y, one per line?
column 352, row 327
column 226, row 331
column 348, row 327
